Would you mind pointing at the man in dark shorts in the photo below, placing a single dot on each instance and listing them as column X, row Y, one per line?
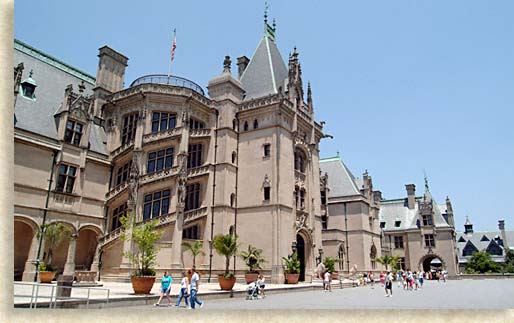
column 389, row 284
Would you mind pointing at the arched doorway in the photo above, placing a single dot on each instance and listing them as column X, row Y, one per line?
column 87, row 241
column 300, row 248
column 23, row 236
column 432, row 263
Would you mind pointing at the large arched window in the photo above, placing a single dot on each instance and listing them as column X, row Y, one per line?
column 300, row 160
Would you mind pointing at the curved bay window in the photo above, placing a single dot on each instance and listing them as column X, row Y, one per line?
column 156, row 204
column 195, row 124
column 192, row 197
column 163, row 121
column 128, row 132
column 159, row 160
column 122, row 174
column 194, row 158
column 117, row 214
column 300, row 160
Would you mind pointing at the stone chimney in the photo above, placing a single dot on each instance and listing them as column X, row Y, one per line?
column 501, row 227
column 109, row 76
column 411, row 195
column 242, row 63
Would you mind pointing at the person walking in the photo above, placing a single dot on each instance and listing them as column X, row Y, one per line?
column 382, row 278
column 194, row 289
column 389, row 284
column 421, row 278
column 183, row 291
column 399, row 278
column 372, row 279
column 326, row 281
column 165, row 288
column 261, row 284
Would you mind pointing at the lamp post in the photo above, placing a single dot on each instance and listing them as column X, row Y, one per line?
column 293, row 247
column 210, row 260
column 347, row 243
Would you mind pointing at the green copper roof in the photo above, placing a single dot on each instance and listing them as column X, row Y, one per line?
column 36, row 53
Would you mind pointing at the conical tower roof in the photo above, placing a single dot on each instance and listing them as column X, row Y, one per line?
column 266, row 72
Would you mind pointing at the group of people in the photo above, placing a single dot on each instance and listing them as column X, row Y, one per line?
column 188, row 289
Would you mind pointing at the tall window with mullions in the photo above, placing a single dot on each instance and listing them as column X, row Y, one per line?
column 128, row 132
column 156, row 204
column 163, row 121
column 192, row 197
column 159, row 160
column 194, row 156
column 66, row 178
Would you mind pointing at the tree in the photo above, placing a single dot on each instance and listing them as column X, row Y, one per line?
column 226, row 245
column 388, row 260
column 508, row 266
column 253, row 258
column 53, row 234
column 194, row 249
column 329, row 263
column 145, row 236
column 481, row 263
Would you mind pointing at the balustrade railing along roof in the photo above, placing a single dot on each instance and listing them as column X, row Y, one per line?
column 168, row 80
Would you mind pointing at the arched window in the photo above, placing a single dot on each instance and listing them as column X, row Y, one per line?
column 340, row 255
column 373, row 256
column 234, row 156
column 255, row 124
column 245, row 127
column 299, row 160
column 232, row 199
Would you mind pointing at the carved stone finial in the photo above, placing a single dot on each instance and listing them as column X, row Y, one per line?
column 30, row 73
column 226, row 64
column 82, row 87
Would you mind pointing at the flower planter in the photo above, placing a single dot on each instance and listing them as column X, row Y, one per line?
column 226, row 283
column 142, row 284
column 251, row 277
column 46, row 277
column 292, row 278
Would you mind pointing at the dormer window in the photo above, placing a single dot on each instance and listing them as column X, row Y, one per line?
column 484, row 238
column 28, row 87
column 427, row 219
column 397, row 223
column 73, row 132
column 461, row 239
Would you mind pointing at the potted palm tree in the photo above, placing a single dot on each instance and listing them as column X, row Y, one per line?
column 329, row 263
column 292, row 270
column 194, row 249
column 253, row 259
column 388, row 260
column 53, row 235
column 145, row 236
column 226, row 245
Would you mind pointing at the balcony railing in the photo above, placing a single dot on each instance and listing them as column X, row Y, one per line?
column 196, row 214
column 198, row 171
column 121, row 149
column 299, row 177
column 168, row 80
column 167, row 134
column 200, row 133
column 160, row 175
column 116, row 190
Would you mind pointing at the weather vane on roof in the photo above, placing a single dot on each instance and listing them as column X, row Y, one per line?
column 266, row 11
column 426, row 180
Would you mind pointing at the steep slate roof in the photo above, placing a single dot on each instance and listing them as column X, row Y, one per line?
column 397, row 209
column 341, row 181
column 476, row 239
column 52, row 76
column 266, row 71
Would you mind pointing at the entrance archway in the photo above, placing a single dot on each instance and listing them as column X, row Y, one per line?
column 23, row 236
column 300, row 248
column 87, row 241
column 432, row 263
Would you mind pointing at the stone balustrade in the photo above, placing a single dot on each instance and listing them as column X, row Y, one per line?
column 162, row 135
column 198, row 171
column 157, row 176
column 85, row 276
column 122, row 149
column 197, row 133
column 116, row 191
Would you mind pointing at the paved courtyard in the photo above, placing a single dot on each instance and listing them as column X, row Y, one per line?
column 458, row 294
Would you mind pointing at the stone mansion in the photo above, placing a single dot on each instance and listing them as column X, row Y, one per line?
column 241, row 157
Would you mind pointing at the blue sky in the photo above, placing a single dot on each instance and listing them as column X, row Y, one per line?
column 405, row 86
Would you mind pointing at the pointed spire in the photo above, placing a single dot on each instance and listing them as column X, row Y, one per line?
column 226, row 64
column 426, row 182
column 309, row 94
column 82, row 87
column 265, row 14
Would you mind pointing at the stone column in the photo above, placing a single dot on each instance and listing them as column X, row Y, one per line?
column 69, row 267
column 30, row 265
column 176, row 247
column 95, row 266
column 127, row 243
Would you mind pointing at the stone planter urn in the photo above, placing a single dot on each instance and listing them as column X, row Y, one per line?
column 226, row 283
column 142, row 284
column 292, row 278
column 46, row 277
column 251, row 277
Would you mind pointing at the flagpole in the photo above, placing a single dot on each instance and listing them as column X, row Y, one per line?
column 172, row 53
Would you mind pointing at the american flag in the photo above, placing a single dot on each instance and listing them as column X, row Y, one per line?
column 174, row 46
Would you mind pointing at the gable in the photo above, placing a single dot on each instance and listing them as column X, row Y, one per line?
column 469, row 249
